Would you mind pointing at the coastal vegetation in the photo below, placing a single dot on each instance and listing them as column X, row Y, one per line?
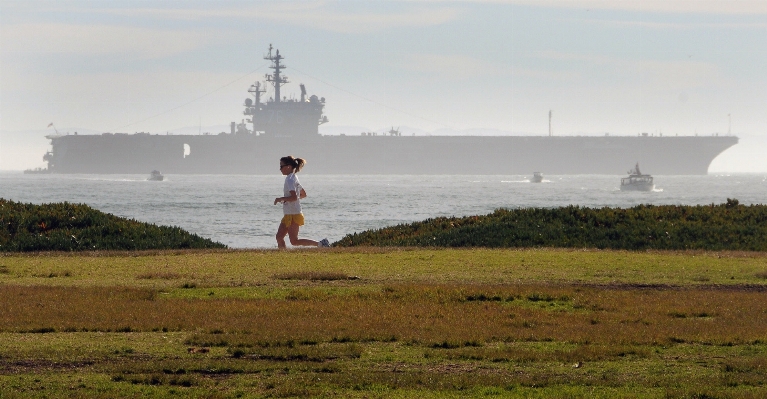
column 728, row 226
column 384, row 322
column 78, row 227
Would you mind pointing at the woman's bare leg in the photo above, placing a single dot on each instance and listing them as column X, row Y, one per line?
column 294, row 240
column 282, row 231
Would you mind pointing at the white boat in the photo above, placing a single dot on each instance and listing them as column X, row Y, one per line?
column 155, row 176
column 637, row 181
column 537, row 177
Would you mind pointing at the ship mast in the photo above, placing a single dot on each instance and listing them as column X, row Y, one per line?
column 256, row 90
column 549, row 123
column 275, row 78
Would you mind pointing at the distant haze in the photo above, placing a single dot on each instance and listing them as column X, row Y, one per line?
column 485, row 68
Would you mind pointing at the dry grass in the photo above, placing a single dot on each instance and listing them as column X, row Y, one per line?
column 435, row 323
column 382, row 266
column 427, row 314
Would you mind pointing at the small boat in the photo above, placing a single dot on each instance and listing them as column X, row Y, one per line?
column 637, row 181
column 155, row 176
column 537, row 177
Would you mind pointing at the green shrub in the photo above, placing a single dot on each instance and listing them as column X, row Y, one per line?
column 728, row 226
column 78, row 227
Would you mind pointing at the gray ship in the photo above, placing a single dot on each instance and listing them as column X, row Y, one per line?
column 279, row 126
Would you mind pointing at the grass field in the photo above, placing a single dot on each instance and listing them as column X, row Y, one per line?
column 384, row 323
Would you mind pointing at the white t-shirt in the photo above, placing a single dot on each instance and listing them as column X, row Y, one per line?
column 292, row 184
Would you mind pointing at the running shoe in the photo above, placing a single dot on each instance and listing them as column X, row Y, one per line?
column 324, row 243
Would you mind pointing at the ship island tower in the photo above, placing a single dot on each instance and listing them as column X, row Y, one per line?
column 280, row 116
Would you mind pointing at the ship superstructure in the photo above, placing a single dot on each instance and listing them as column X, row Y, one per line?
column 280, row 116
column 278, row 126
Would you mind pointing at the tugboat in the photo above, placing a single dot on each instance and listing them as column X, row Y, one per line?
column 155, row 176
column 637, row 181
column 537, row 177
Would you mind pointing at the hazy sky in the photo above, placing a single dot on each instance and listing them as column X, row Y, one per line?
column 678, row 67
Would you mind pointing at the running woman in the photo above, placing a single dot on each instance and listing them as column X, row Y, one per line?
column 291, row 205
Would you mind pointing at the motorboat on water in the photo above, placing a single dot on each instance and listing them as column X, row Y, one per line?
column 156, row 176
column 636, row 181
column 537, row 177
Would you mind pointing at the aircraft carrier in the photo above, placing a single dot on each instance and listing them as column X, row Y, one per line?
column 278, row 126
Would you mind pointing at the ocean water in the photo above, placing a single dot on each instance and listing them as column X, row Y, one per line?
column 238, row 210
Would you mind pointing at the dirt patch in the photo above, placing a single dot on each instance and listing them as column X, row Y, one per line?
column 39, row 365
column 671, row 287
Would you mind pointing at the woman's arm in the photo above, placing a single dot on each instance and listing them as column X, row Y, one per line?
column 291, row 198
column 303, row 193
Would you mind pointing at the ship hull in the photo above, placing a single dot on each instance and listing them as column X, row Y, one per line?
column 259, row 154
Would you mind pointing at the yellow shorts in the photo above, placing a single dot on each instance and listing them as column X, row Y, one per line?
column 297, row 218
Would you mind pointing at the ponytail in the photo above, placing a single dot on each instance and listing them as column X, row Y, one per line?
column 300, row 162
